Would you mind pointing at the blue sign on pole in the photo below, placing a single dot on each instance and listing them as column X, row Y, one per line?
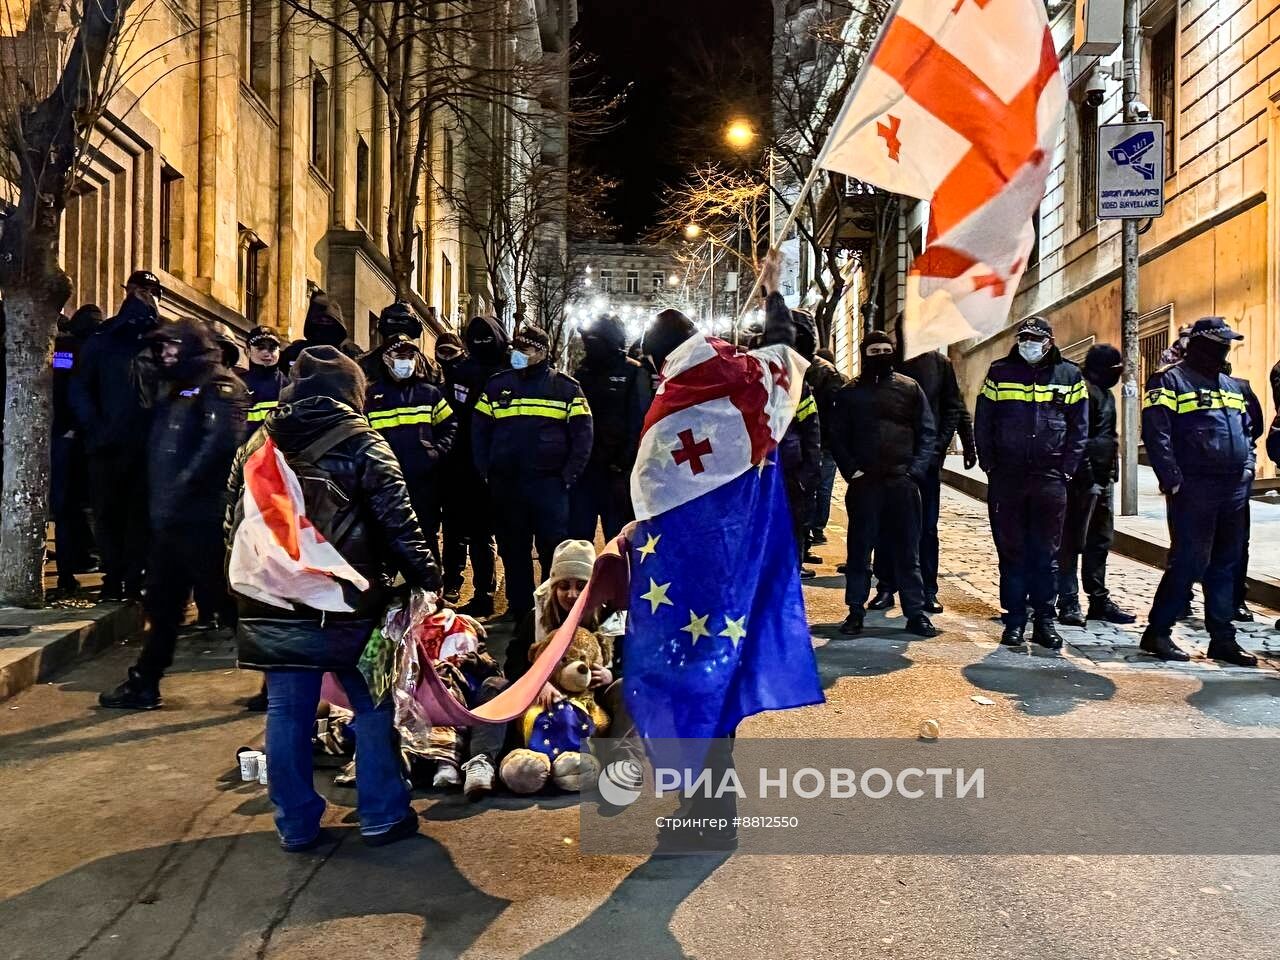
column 1131, row 170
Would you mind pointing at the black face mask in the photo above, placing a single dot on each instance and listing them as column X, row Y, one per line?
column 1105, row 378
column 1207, row 355
column 597, row 348
column 486, row 351
column 878, row 365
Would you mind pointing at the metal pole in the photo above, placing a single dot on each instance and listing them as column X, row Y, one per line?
column 1130, row 425
column 773, row 201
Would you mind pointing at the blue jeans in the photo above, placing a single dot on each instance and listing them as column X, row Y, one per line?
column 826, row 487
column 382, row 799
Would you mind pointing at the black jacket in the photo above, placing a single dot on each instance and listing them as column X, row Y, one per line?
column 1195, row 424
column 937, row 378
column 800, row 451
column 66, row 354
column 618, row 391
column 415, row 418
column 825, row 381
column 1101, row 463
column 195, row 431
column 263, row 385
column 883, row 427
column 465, row 379
column 532, row 422
column 106, row 392
column 1032, row 421
column 356, row 497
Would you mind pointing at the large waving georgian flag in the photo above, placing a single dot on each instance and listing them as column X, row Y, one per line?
column 959, row 104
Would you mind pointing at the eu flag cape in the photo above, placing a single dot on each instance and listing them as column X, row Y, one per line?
column 716, row 629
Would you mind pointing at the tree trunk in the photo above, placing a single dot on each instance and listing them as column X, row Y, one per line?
column 29, row 331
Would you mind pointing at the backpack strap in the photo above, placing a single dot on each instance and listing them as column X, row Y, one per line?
column 330, row 439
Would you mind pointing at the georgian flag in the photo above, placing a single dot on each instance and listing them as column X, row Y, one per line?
column 959, row 104
column 718, row 412
column 278, row 557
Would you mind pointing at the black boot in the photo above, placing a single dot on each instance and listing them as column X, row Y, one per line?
column 451, row 597
column 1013, row 634
column 258, row 702
column 811, row 557
column 883, row 600
column 1243, row 614
column 921, row 626
column 852, row 625
column 136, row 693
column 842, row 568
column 1160, row 645
column 480, row 605
column 1070, row 614
column 1107, row 610
column 1045, row 634
column 808, row 573
column 1228, row 651
column 931, row 604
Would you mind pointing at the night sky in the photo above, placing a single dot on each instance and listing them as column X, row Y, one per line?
column 690, row 66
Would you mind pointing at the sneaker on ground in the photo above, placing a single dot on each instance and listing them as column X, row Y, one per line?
column 447, row 775
column 479, row 777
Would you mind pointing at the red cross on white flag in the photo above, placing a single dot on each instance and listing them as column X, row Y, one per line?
column 959, row 104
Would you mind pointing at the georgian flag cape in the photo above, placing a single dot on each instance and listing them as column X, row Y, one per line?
column 960, row 103
column 278, row 557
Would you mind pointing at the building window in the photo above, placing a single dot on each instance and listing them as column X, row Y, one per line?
column 320, row 107
column 633, row 281
column 1033, row 258
column 658, row 281
column 446, row 165
column 1164, row 79
column 606, row 281
column 1087, row 183
column 170, row 219
column 255, row 46
column 363, row 213
column 252, row 281
column 446, row 288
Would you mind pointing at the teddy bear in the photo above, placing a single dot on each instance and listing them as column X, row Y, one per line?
column 554, row 736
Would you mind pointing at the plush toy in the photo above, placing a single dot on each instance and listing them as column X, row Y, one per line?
column 554, row 736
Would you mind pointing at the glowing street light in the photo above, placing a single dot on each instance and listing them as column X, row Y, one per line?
column 673, row 280
column 692, row 231
column 740, row 134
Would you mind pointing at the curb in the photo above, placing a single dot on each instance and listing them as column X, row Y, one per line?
column 36, row 644
column 1262, row 590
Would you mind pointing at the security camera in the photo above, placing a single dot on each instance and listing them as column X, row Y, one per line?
column 1140, row 110
column 1095, row 88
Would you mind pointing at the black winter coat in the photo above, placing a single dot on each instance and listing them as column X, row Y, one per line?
column 532, row 422
column 1196, row 424
column 465, row 380
column 66, row 354
column 800, row 451
column 937, row 378
column 618, row 391
column 825, row 381
column 356, row 497
column 883, row 427
column 263, row 385
column 1101, row 463
column 416, row 420
column 106, row 391
column 195, row 430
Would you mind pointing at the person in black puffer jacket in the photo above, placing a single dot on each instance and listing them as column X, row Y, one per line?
column 198, row 422
column 68, row 465
column 356, row 496
column 618, row 391
column 800, row 451
column 882, row 435
column 825, row 381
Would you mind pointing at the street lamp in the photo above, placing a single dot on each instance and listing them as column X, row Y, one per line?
column 692, row 231
column 740, row 134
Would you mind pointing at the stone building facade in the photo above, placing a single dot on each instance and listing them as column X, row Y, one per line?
column 246, row 162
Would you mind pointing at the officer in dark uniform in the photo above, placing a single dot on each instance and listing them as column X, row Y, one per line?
column 800, row 451
column 531, row 438
column 1089, row 526
column 68, row 466
column 199, row 421
column 1031, row 427
column 825, row 381
column 1195, row 426
column 468, row 510
column 108, row 396
column 882, row 436
column 395, row 320
column 618, row 391
column 262, row 378
column 413, row 414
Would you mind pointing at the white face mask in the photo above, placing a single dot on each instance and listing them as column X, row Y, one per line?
column 1033, row 351
column 402, row 369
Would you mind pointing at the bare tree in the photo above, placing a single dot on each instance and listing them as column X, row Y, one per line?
column 58, row 68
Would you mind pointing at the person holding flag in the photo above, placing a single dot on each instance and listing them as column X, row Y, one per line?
column 717, row 629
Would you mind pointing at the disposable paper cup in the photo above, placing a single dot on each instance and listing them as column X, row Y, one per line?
column 250, row 762
column 262, row 768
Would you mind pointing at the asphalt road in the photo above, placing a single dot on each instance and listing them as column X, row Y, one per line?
column 130, row 836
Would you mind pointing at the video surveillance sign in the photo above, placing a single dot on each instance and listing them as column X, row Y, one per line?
column 1131, row 170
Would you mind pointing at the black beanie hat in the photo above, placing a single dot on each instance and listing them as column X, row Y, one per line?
column 325, row 372
column 877, row 336
column 669, row 329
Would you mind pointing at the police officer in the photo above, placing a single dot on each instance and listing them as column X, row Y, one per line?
column 107, row 396
column 1196, row 430
column 800, row 452
column 618, row 391
column 937, row 378
column 825, row 381
column 882, row 435
column 468, row 510
column 1089, row 526
column 395, row 320
column 323, row 326
column 262, row 379
column 199, row 421
column 531, row 438
column 68, row 469
column 1030, row 426
column 413, row 414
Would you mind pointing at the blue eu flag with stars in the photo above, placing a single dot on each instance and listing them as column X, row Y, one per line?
column 717, row 629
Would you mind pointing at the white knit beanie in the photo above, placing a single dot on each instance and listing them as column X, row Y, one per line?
column 573, row 560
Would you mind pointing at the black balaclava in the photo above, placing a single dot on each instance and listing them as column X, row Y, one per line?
column 324, row 326
column 83, row 322
column 881, row 365
column 1103, row 365
column 141, row 317
column 1207, row 355
column 806, row 334
column 486, row 342
column 668, row 330
column 198, row 354
column 604, row 339
column 449, row 350
column 399, row 319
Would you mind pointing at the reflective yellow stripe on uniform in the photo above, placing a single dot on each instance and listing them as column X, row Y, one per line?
column 808, row 407
column 1035, row 392
column 578, row 407
column 482, row 406
column 1195, row 401
column 258, row 412
column 551, row 409
column 441, row 412
column 399, row 417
